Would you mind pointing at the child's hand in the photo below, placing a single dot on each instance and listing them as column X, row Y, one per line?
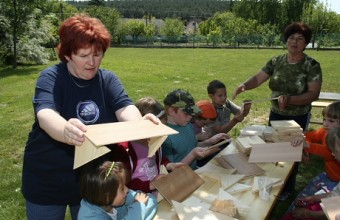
column 297, row 141
column 173, row 166
column 217, row 137
column 142, row 197
column 303, row 202
column 239, row 117
column 300, row 213
column 305, row 157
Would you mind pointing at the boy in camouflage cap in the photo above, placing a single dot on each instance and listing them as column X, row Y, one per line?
column 183, row 147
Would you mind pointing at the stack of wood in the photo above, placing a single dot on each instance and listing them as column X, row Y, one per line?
column 244, row 144
column 284, row 131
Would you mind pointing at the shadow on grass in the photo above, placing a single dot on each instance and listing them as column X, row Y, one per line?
column 305, row 174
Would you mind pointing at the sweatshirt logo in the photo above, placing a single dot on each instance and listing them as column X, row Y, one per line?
column 87, row 112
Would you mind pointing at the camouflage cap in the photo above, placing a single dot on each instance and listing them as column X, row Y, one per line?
column 183, row 100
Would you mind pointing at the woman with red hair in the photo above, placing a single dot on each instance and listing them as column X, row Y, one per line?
column 68, row 96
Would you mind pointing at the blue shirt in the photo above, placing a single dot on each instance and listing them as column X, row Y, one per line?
column 48, row 177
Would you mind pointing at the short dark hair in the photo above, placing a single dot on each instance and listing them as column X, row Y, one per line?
column 298, row 27
column 215, row 85
column 99, row 184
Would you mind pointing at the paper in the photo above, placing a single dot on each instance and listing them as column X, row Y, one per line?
column 99, row 135
column 275, row 152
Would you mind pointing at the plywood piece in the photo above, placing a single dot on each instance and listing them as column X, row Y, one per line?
column 275, row 152
column 285, row 124
column 179, row 184
column 214, row 171
column 99, row 135
column 238, row 187
column 270, row 181
column 331, row 206
column 241, row 207
column 240, row 162
column 197, row 213
column 252, row 130
column 229, row 180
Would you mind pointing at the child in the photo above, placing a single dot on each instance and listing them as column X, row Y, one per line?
column 144, row 170
column 218, row 94
column 183, row 147
column 316, row 144
column 207, row 116
column 309, row 207
column 105, row 195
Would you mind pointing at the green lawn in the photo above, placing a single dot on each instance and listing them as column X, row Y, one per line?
column 145, row 72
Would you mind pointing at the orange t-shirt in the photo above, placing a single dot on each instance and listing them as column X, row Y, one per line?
column 318, row 146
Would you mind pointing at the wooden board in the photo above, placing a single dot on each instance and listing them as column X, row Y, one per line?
column 99, row 135
column 179, row 184
column 275, row 152
column 331, row 206
column 239, row 161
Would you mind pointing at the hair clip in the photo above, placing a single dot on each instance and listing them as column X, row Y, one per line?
column 160, row 114
column 109, row 171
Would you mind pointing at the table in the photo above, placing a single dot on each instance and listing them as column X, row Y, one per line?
column 325, row 98
column 259, row 209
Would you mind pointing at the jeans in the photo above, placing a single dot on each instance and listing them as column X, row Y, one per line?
column 49, row 212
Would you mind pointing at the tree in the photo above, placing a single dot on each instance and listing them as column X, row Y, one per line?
column 110, row 17
column 173, row 28
column 97, row 3
column 17, row 12
column 31, row 45
column 135, row 28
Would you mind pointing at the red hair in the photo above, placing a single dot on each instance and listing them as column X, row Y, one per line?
column 79, row 32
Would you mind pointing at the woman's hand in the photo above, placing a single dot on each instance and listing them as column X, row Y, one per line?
column 152, row 118
column 283, row 102
column 74, row 132
column 238, row 90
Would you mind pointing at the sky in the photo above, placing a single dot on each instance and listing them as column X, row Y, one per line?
column 334, row 5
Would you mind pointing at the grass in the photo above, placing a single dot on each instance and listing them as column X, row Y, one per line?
column 145, row 72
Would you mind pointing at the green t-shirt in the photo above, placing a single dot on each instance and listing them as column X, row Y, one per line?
column 291, row 79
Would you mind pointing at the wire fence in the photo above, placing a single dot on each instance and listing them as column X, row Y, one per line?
column 320, row 41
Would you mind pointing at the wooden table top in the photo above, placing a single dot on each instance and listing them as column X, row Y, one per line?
column 259, row 209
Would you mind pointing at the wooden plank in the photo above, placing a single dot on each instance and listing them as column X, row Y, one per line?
column 99, row 135
column 329, row 96
column 179, row 184
column 330, row 206
column 275, row 152
column 320, row 104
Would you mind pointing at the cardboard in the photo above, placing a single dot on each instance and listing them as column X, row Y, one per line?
column 331, row 206
column 179, row 184
column 275, row 152
column 99, row 135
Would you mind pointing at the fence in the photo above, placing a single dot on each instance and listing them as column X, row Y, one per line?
column 324, row 41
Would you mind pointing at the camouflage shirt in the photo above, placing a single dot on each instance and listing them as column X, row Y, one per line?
column 291, row 79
